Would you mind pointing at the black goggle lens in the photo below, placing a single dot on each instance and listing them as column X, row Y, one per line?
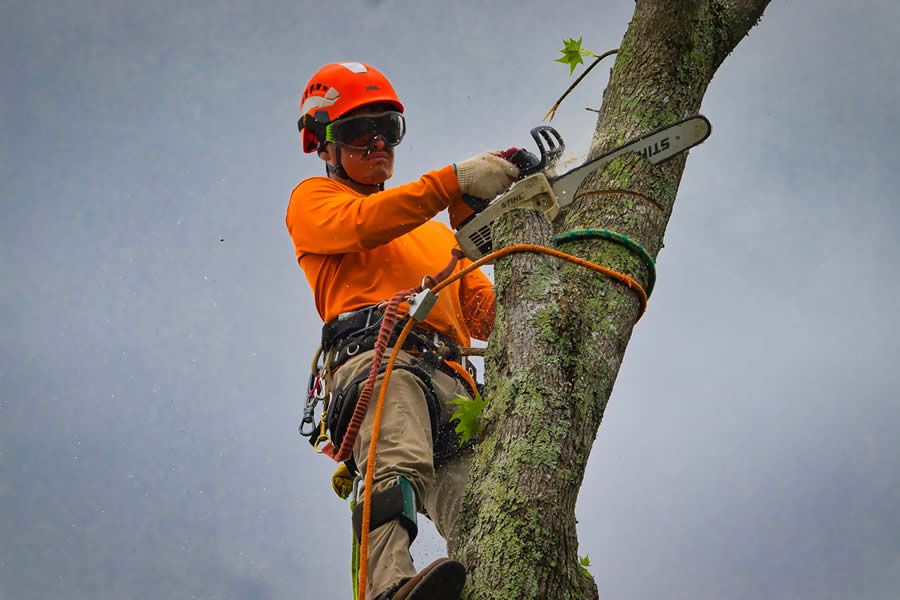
column 362, row 131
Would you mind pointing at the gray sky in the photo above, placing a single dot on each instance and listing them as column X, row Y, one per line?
column 157, row 330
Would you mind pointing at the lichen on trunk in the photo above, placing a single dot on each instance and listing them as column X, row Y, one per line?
column 520, row 491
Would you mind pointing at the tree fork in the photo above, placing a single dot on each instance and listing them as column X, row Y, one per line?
column 561, row 332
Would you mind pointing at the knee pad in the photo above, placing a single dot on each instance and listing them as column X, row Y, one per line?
column 398, row 502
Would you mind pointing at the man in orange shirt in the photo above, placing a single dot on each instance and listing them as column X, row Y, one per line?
column 358, row 244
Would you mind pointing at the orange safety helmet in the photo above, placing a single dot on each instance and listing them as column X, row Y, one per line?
column 335, row 90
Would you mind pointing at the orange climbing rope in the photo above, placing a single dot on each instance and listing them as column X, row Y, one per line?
column 376, row 425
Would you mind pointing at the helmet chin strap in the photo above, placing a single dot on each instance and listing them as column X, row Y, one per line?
column 339, row 170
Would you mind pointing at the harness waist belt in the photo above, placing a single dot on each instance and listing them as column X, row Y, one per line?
column 357, row 331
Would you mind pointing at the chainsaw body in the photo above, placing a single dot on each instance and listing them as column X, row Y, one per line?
column 533, row 191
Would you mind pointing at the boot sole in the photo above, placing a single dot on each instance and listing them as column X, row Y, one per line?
column 444, row 582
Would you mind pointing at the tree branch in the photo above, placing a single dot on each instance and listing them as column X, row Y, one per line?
column 556, row 104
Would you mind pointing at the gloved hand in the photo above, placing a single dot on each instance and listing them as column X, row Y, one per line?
column 486, row 175
column 481, row 178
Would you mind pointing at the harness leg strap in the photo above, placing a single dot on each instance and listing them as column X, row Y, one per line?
column 395, row 503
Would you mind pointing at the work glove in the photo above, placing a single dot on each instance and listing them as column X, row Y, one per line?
column 486, row 175
column 481, row 179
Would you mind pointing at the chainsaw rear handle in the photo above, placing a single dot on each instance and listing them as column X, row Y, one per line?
column 475, row 204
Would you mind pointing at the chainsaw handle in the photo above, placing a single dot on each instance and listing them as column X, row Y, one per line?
column 476, row 204
column 463, row 212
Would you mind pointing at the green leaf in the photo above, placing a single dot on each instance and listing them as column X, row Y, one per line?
column 467, row 414
column 572, row 54
column 585, row 561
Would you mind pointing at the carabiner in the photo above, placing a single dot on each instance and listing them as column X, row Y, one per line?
column 354, row 495
column 312, row 427
column 319, row 388
column 323, row 438
column 309, row 413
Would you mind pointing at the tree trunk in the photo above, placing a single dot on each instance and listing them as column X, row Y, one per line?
column 561, row 330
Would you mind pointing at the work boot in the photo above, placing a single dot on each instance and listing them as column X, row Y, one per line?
column 441, row 580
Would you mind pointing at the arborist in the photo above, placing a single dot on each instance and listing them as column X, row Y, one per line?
column 358, row 243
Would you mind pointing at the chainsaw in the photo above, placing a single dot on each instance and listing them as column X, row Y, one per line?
column 540, row 188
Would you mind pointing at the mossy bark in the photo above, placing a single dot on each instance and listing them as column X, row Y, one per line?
column 561, row 331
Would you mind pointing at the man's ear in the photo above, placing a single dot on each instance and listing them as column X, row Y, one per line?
column 327, row 153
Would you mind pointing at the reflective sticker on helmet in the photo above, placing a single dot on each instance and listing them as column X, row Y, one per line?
column 355, row 67
column 330, row 97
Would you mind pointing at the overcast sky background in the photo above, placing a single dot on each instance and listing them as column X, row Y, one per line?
column 157, row 331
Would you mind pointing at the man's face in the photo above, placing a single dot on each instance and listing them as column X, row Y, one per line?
column 371, row 166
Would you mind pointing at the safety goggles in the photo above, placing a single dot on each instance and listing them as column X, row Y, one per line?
column 361, row 131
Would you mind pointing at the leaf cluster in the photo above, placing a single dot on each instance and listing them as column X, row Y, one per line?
column 467, row 414
column 584, row 561
column 573, row 54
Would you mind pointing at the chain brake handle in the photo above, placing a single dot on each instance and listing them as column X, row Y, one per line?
column 528, row 163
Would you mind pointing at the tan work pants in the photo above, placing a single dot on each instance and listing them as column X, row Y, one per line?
column 404, row 447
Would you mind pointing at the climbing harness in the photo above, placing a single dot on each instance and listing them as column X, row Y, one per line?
column 354, row 333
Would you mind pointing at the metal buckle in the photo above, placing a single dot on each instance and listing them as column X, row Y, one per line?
column 368, row 311
column 470, row 369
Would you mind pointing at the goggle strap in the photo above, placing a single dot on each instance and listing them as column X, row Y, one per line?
column 329, row 135
column 317, row 128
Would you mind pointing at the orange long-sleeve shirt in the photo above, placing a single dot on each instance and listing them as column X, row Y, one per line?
column 359, row 250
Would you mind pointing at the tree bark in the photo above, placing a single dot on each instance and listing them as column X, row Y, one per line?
column 561, row 330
